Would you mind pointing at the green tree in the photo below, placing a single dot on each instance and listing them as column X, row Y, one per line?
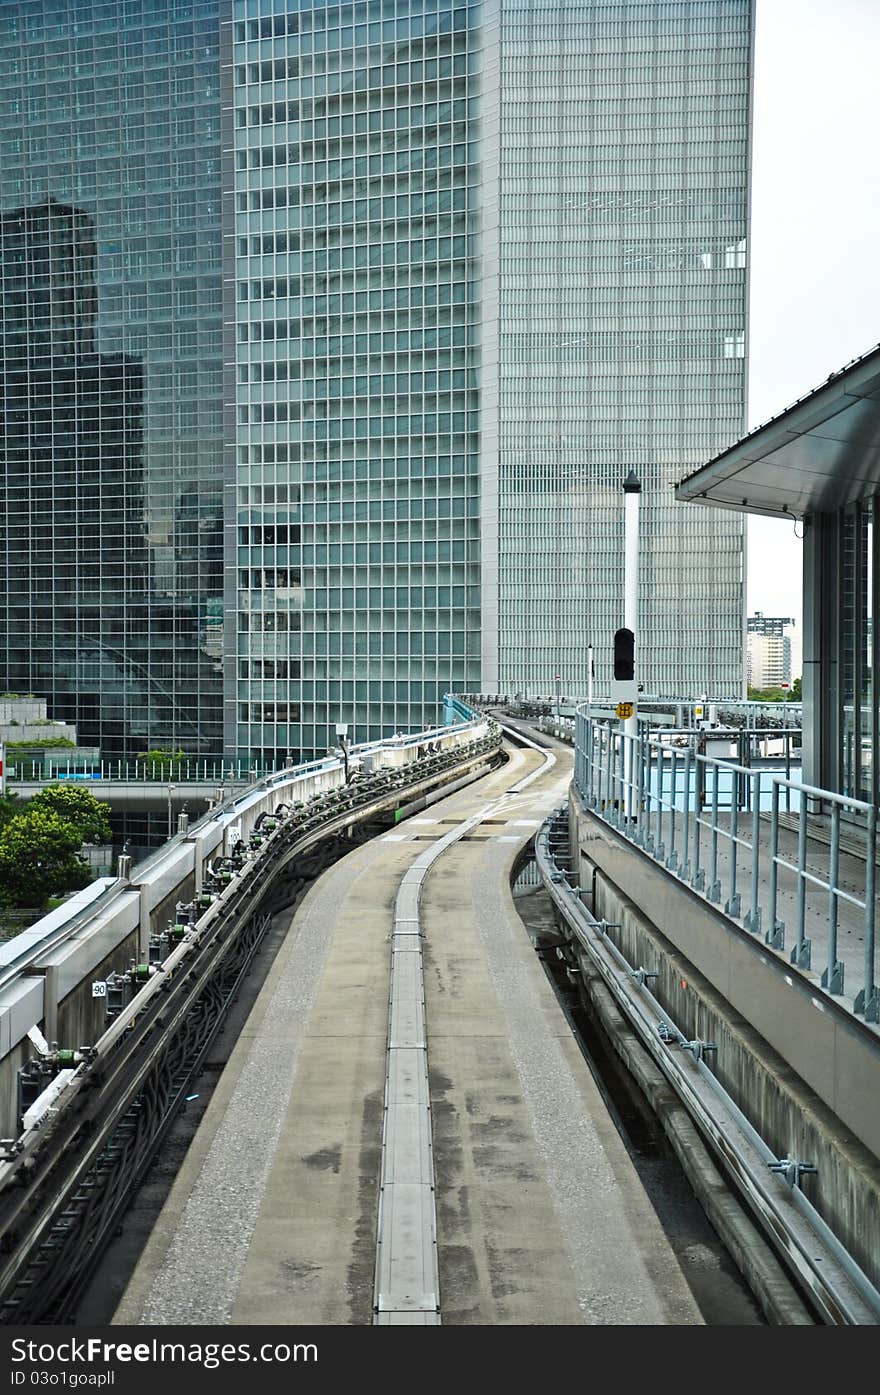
column 162, row 756
column 77, row 806
column 767, row 694
column 38, row 856
column 10, row 805
column 796, row 692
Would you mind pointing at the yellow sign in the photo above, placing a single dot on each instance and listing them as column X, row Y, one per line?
column 624, row 710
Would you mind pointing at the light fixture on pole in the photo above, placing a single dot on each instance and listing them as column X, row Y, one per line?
column 342, row 736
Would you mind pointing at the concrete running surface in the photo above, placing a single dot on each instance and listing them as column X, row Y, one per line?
column 541, row 1217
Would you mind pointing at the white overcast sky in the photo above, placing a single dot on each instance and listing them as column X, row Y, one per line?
column 815, row 247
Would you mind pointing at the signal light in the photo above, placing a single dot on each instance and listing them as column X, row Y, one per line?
column 624, row 656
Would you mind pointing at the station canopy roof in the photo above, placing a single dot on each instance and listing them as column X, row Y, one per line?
column 818, row 455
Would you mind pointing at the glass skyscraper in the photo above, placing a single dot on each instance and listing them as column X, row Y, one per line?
column 616, row 149
column 355, row 203
column 329, row 335
column 111, row 388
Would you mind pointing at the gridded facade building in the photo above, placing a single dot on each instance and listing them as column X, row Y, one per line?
column 616, row 150
column 111, row 372
column 768, row 650
column 367, row 311
column 355, row 199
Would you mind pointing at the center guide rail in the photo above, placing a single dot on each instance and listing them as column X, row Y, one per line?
column 407, row 1279
column 61, row 1167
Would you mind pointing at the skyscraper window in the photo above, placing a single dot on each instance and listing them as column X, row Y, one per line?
column 329, row 335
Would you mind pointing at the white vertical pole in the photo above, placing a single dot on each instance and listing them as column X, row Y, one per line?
column 589, row 677
column 631, row 492
column 2, row 767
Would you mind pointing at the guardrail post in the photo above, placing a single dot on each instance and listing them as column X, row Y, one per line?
column 621, row 756
column 787, row 770
column 647, row 827
column 732, row 905
column 832, row 974
column 802, row 953
column 672, row 860
column 684, row 870
column 867, row 999
column 698, row 880
column 639, row 800
column 775, row 936
column 595, row 768
column 752, row 919
column 714, row 892
column 660, row 850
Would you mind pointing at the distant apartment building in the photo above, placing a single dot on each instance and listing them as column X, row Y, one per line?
column 768, row 651
column 329, row 334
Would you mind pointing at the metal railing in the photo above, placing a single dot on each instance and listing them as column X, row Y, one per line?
column 19, row 951
column 701, row 817
column 193, row 770
column 771, row 1186
column 667, row 710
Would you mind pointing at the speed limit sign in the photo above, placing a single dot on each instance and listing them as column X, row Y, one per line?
column 99, row 988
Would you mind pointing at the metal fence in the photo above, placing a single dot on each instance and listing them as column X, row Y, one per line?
column 667, row 711
column 701, row 816
column 194, row 769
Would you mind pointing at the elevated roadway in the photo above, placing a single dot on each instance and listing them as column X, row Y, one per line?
column 531, row 1210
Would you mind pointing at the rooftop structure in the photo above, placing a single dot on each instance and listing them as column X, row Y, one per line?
column 818, row 462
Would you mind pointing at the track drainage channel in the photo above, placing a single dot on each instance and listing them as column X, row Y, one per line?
column 721, row 1293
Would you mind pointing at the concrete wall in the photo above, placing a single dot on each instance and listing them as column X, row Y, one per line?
column 38, row 732
column 660, row 934
column 80, row 1019
column 22, row 710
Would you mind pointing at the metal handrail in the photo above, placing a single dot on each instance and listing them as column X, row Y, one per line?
column 677, row 793
column 845, row 1293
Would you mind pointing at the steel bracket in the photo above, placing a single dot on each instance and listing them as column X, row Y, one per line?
column 775, row 938
column 802, row 954
column 832, row 979
column 641, row 975
column 868, row 1003
column 791, row 1170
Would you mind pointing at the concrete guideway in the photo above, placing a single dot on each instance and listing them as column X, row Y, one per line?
column 541, row 1218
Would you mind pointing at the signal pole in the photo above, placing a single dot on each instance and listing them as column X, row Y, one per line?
column 632, row 490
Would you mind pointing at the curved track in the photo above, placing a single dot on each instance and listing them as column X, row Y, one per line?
column 540, row 1217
